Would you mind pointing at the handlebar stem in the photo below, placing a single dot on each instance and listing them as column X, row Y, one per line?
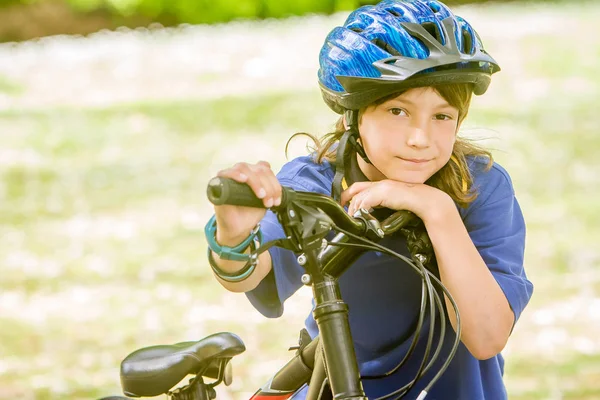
column 331, row 316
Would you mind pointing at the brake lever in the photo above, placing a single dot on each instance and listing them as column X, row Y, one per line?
column 419, row 244
column 372, row 226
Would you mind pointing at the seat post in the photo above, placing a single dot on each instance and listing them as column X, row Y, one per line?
column 195, row 390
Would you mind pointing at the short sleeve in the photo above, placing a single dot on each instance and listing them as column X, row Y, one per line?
column 285, row 276
column 497, row 228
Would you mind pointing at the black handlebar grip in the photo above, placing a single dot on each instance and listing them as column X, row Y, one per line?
column 227, row 191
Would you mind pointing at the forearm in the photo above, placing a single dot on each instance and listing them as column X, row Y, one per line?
column 229, row 266
column 262, row 269
column 485, row 314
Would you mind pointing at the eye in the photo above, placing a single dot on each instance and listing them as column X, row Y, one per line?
column 443, row 117
column 397, row 111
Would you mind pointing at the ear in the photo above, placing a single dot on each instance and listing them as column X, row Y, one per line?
column 344, row 121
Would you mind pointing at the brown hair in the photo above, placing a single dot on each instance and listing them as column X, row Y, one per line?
column 454, row 178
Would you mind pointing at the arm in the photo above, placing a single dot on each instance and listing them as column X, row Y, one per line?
column 277, row 275
column 262, row 269
column 487, row 318
column 480, row 259
column 267, row 288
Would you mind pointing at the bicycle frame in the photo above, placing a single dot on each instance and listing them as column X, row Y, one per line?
column 324, row 264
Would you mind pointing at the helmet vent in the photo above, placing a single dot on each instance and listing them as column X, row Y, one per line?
column 356, row 29
column 435, row 7
column 385, row 46
column 433, row 30
column 467, row 42
column 395, row 13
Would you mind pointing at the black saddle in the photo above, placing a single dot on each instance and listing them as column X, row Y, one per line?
column 154, row 370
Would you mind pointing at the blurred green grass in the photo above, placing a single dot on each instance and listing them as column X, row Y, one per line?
column 7, row 86
column 102, row 214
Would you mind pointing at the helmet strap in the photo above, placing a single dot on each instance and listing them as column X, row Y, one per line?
column 347, row 146
column 352, row 122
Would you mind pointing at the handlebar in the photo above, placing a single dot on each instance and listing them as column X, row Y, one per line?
column 222, row 191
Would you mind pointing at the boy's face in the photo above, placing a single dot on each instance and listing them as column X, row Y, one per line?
column 408, row 138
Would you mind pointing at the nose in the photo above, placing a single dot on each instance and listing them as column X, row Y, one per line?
column 418, row 135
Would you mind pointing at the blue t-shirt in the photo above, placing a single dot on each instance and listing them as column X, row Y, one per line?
column 384, row 294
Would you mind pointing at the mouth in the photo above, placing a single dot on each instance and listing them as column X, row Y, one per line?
column 416, row 160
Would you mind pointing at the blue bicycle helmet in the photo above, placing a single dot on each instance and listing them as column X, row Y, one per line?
column 397, row 45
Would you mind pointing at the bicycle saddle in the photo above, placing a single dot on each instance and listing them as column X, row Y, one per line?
column 152, row 371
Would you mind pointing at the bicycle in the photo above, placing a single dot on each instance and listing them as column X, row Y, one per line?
column 327, row 363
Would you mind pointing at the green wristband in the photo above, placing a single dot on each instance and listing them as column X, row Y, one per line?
column 235, row 253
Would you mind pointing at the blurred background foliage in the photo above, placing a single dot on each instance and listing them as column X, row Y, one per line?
column 26, row 19
column 107, row 142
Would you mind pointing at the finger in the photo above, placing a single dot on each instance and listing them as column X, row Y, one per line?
column 263, row 172
column 237, row 172
column 275, row 189
column 264, row 163
column 360, row 200
column 278, row 191
column 251, row 178
column 353, row 190
column 356, row 203
column 345, row 197
column 368, row 199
